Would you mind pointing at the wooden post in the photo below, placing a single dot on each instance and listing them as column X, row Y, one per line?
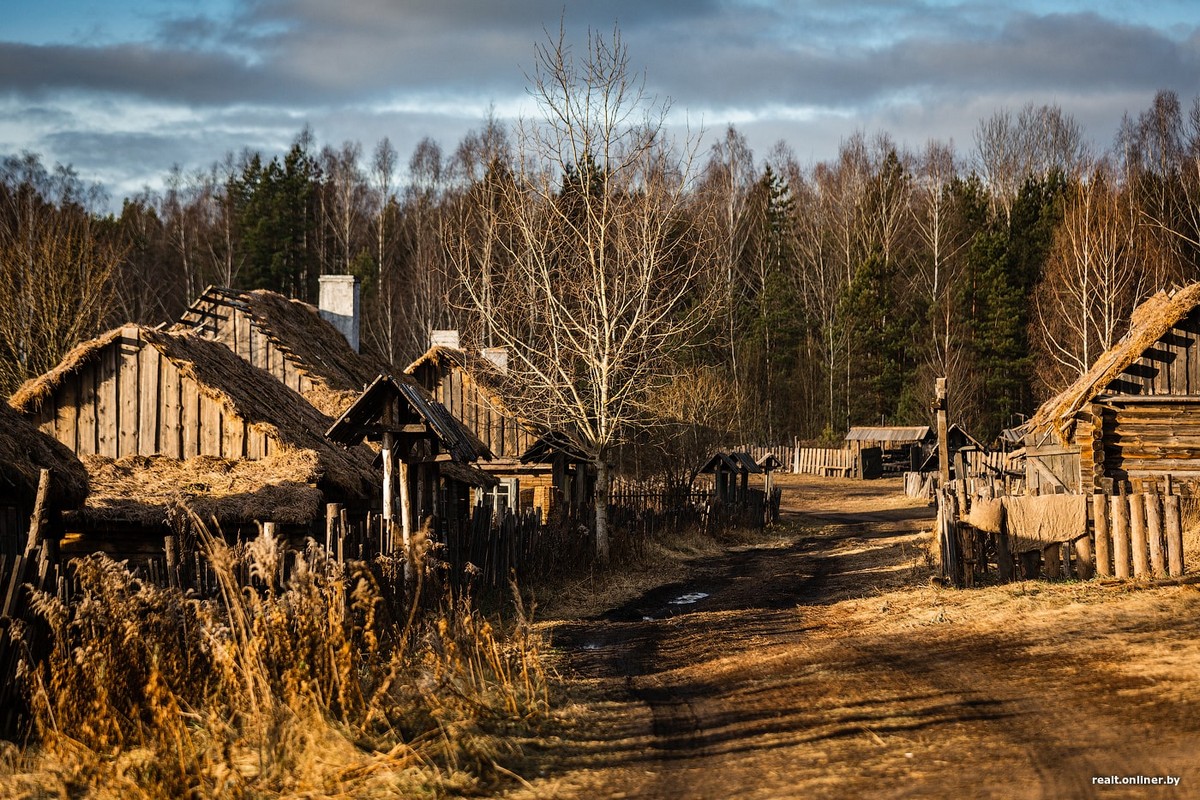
column 1154, row 534
column 1083, row 558
column 171, row 551
column 1174, row 528
column 1052, row 560
column 332, row 512
column 939, row 405
column 389, row 485
column 1120, row 534
column 1004, row 556
column 1137, row 536
column 1103, row 540
column 406, row 522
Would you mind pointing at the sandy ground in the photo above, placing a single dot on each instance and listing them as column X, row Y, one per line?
column 824, row 662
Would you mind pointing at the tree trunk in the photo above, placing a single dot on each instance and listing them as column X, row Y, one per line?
column 601, row 499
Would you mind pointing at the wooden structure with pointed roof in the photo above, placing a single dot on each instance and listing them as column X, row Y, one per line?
column 167, row 416
column 1134, row 415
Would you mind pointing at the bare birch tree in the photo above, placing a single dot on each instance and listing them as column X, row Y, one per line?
column 599, row 283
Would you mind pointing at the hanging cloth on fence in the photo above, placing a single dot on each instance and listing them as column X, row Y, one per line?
column 1036, row 522
column 986, row 515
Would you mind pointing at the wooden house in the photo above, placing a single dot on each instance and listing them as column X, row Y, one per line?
column 24, row 453
column 534, row 469
column 287, row 338
column 1134, row 415
column 164, row 419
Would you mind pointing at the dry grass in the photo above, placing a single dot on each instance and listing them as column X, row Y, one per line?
column 312, row 686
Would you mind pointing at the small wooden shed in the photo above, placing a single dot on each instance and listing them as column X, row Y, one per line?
column 288, row 339
column 1134, row 415
column 166, row 417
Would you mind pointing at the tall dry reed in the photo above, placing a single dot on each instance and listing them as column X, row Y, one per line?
column 304, row 681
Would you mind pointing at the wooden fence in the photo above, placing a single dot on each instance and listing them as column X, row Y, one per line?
column 823, row 461
column 1136, row 535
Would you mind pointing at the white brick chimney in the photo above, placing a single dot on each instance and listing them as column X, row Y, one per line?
column 339, row 304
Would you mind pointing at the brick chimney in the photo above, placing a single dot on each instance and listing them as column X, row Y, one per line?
column 339, row 304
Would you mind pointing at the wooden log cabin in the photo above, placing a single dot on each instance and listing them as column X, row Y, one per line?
column 1134, row 416
column 286, row 338
column 535, row 469
column 24, row 453
column 166, row 419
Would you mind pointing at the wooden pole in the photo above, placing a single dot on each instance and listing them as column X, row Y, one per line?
column 389, row 486
column 406, row 521
column 1083, row 558
column 939, row 405
column 1103, row 540
column 1174, row 528
column 1004, row 556
column 1137, row 536
column 1154, row 533
column 332, row 512
column 1052, row 559
column 1120, row 534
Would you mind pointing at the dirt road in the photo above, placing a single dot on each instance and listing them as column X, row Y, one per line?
column 825, row 664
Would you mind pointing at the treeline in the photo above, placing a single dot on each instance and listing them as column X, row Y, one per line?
column 847, row 286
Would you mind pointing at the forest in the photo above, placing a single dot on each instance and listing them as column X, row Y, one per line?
column 840, row 290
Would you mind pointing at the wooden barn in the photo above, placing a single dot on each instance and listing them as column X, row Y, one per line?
column 535, row 470
column 1134, row 416
column 24, row 453
column 163, row 419
column 287, row 338
column 901, row 448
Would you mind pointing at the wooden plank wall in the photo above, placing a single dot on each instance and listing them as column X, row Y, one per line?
column 131, row 400
column 477, row 409
column 238, row 331
column 1170, row 366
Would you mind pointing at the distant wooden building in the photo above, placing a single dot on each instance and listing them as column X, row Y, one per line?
column 164, row 418
column 900, row 447
column 288, row 339
column 24, row 453
column 534, row 469
column 1134, row 415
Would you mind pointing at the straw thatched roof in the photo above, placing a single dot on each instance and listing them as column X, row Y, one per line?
column 1149, row 322
column 141, row 489
column 25, row 452
column 313, row 346
column 243, row 390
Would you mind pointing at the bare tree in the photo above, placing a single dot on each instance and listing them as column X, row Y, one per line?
column 344, row 200
column 1092, row 278
column 55, row 272
column 598, row 292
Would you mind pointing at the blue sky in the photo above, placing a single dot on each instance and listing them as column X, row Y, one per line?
column 122, row 90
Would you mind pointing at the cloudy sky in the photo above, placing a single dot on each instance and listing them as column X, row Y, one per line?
column 123, row 89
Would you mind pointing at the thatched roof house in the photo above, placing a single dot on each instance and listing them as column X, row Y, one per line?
column 160, row 416
column 1135, row 414
column 24, row 453
column 288, row 339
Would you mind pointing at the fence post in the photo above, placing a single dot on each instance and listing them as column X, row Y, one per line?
column 1120, row 534
column 1103, row 554
column 1154, row 533
column 1174, row 529
column 1137, row 535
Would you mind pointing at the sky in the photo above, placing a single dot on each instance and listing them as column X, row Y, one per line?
column 122, row 90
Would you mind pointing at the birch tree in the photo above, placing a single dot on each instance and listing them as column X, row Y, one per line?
column 599, row 281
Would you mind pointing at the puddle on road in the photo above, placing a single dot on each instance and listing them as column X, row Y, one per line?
column 688, row 599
